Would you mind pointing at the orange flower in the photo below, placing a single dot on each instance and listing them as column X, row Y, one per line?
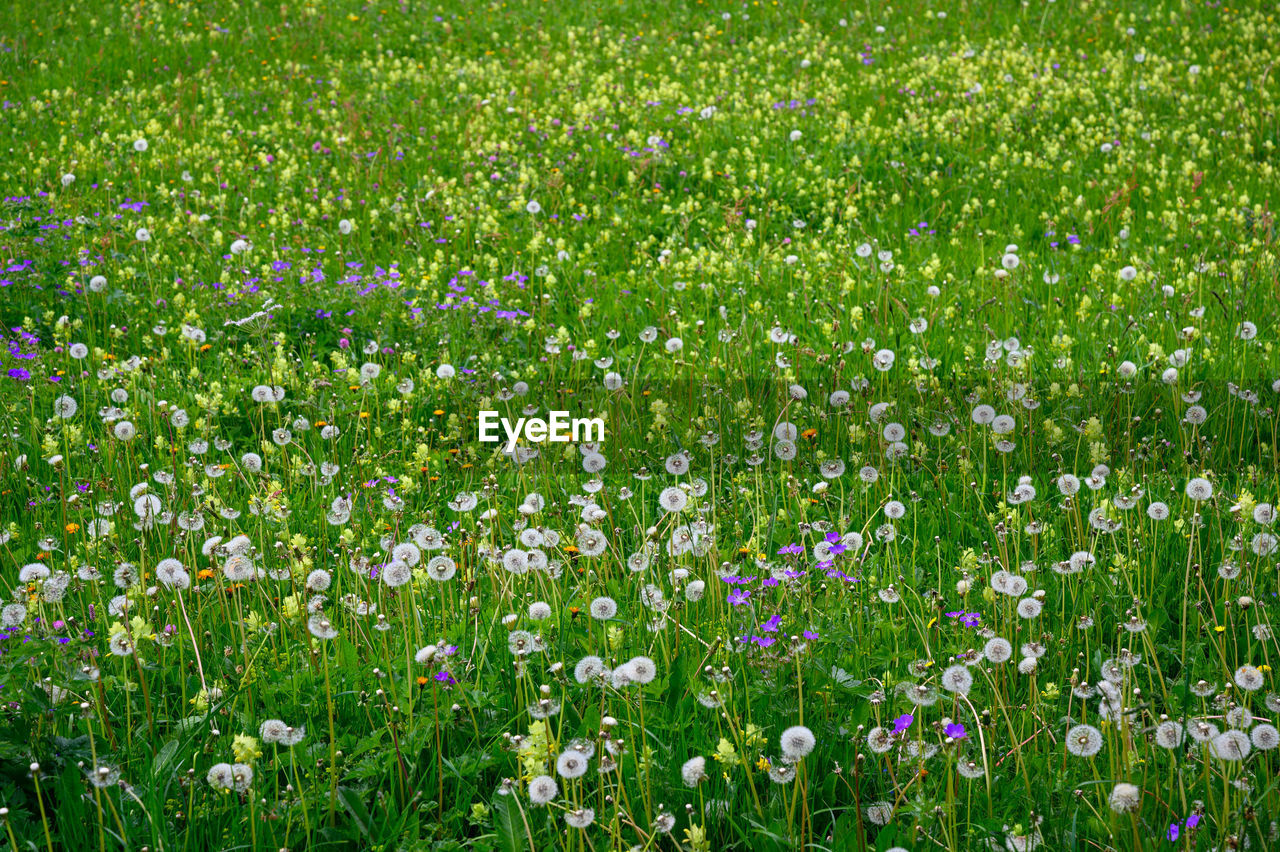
column 73, row 528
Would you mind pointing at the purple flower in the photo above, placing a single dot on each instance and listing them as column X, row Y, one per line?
column 955, row 730
column 1173, row 831
column 739, row 596
column 1193, row 820
column 771, row 626
column 903, row 722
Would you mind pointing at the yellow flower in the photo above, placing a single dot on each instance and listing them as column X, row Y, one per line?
column 245, row 748
column 696, row 838
column 725, row 753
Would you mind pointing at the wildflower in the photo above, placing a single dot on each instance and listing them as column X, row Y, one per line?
column 1199, row 489
column 1084, row 741
column 542, row 790
column 1249, row 678
column 694, row 771
column 172, row 574
column 880, row 740
column 796, row 742
column 997, row 650
column 603, row 608
column 441, row 568
column 1265, row 737
column 957, row 679
column 245, row 748
column 1125, row 798
column 221, row 776
column 571, row 764
column 1231, row 746
column 880, row 813
column 642, row 670
column 321, row 627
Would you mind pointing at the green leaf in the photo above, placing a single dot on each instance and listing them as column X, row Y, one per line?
column 356, row 807
column 507, row 823
column 163, row 758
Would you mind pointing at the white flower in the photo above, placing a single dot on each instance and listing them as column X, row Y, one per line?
column 796, row 742
column 65, row 407
column 571, row 764
column 542, row 790
column 694, row 771
column 1199, row 489
column 1125, row 798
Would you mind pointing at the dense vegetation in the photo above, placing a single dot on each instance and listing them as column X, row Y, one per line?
column 935, row 346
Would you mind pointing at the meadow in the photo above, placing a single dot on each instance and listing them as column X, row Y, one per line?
column 933, row 342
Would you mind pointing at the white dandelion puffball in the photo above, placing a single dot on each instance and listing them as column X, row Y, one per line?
column 694, row 771
column 1125, row 798
column 796, row 742
column 542, row 790
column 1199, row 489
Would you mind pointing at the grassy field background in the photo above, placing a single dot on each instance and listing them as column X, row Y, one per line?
column 934, row 347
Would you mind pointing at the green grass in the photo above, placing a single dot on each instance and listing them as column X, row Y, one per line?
column 1077, row 203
